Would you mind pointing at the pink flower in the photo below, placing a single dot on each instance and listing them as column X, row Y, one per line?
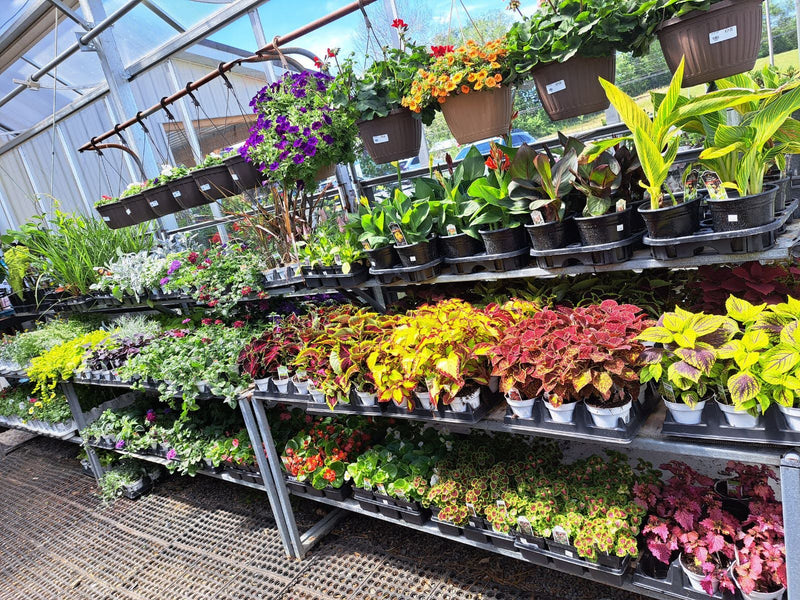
column 235, row 443
column 185, row 321
column 150, row 417
column 238, row 324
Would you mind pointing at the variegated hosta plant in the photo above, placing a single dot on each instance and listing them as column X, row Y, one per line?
column 685, row 364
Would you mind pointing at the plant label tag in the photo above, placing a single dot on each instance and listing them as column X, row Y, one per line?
column 153, row 203
column 451, row 229
column 234, row 176
column 127, row 211
column 434, row 479
column 283, row 372
column 367, row 247
column 525, row 525
column 412, row 259
column 380, row 139
column 714, row 186
column 106, row 219
column 367, row 484
column 514, row 395
column 205, row 187
column 471, row 508
column 381, row 488
column 690, row 185
column 398, row 234
column 621, row 227
column 337, row 259
column 176, row 194
column 733, row 218
column 501, row 504
column 560, row 535
column 715, row 37
column 621, row 205
column 538, row 218
column 556, row 86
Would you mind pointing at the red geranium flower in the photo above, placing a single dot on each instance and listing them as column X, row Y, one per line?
column 440, row 50
column 318, row 63
column 400, row 24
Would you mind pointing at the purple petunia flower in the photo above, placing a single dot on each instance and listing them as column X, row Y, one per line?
column 316, row 125
column 171, row 454
column 150, row 417
column 298, row 159
column 327, row 139
column 164, row 281
column 274, row 166
column 120, row 444
column 174, row 266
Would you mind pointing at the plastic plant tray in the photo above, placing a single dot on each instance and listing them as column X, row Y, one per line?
column 336, row 279
column 706, row 241
column 677, row 585
column 573, row 565
column 492, row 263
column 600, row 254
column 772, row 428
column 582, row 426
column 414, row 274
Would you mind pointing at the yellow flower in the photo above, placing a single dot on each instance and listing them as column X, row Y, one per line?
column 481, row 75
column 471, row 77
column 495, row 65
column 457, row 78
column 450, row 86
column 490, row 82
column 478, row 85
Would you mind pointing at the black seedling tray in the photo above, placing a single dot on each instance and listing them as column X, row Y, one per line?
column 582, row 426
column 447, row 528
column 706, row 241
column 573, row 565
column 414, row 274
column 331, row 277
column 136, row 492
column 476, row 534
column 600, row 254
column 772, row 428
column 676, row 584
column 492, row 263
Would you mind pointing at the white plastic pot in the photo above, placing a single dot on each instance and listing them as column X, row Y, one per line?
column 281, row 384
column 607, row 418
column 685, row 414
column 317, row 395
column 738, row 418
column 366, row 398
column 460, row 403
column 424, row 399
column 202, row 386
column 300, row 385
column 792, row 416
column 262, row 384
column 563, row 413
column 776, row 595
column 695, row 579
column 521, row 408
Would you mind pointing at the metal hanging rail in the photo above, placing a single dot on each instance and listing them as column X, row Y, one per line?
column 261, row 54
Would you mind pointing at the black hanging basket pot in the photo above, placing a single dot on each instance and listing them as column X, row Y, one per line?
column 743, row 212
column 460, row 245
column 243, row 173
column 161, row 201
column 138, row 208
column 396, row 136
column 604, row 229
column 572, row 88
column 114, row 215
column 671, row 221
column 783, row 198
column 500, row 241
column 553, row 235
column 215, row 182
column 382, row 258
column 719, row 42
column 421, row 253
column 186, row 193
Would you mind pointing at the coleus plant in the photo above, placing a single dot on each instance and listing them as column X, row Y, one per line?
column 761, row 552
column 749, row 482
column 685, row 364
column 276, row 347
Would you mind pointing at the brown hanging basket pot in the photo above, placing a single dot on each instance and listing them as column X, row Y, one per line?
column 114, row 215
column 186, row 192
column 161, row 201
column 719, row 42
column 244, row 175
column 325, row 171
column 138, row 209
column 396, row 136
column 478, row 115
column 571, row 88
column 214, row 182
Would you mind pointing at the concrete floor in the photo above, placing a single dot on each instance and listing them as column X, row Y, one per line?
column 203, row 539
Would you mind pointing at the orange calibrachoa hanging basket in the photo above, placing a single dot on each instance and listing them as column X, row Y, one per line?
column 455, row 74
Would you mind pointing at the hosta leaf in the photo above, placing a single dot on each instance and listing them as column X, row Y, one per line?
column 743, row 386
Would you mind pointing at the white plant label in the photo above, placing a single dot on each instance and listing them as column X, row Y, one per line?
column 380, row 139
column 621, row 227
column 560, row 535
column 176, row 194
column 451, row 229
column 412, row 259
column 525, row 525
column 471, row 509
column 106, row 219
column 715, row 37
column 153, row 203
column 733, row 218
column 538, row 218
column 127, row 211
column 556, row 86
column 205, row 187
column 235, row 177
column 283, row 372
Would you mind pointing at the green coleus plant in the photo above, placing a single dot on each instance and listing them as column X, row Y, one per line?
column 686, row 364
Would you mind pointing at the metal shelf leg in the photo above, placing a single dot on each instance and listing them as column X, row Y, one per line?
column 80, row 421
column 790, row 496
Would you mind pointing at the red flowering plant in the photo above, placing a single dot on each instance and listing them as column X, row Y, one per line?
column 320, row 454
column 761, row 553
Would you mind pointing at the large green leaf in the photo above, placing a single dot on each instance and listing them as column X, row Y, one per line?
column 771, row 117
column 631, row 113
column 650, row 158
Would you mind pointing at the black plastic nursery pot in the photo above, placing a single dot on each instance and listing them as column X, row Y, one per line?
column 417, row 254
column 215, row 182
column 783, row 198
column 500, row 241
column 460, row 246
column 187, row 194
column 743, row 212
column 243, row 173
column 604, row 229
column 161, row 201
column 652, row 567
column 671, row 221
column 138, row 208
column 382, row 258
column 556, row 234
column 114, row 215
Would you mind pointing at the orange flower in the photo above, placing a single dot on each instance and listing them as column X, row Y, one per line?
column 465, row 89
column 442, row 99
column 471, row 77
column 478, row 85
column 498, row 78
column 451, row 86
column 490, row 82
column 481, row 75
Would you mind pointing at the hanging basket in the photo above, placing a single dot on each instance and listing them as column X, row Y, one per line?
column 161, row 201
column 719, row 42
column 214, row 182
column 396, row 136
column 138, row 209
column 478, row 115
column 244, row 175
column 186, row 193
column 325, row 171
column 114, row 215
column 571, row 88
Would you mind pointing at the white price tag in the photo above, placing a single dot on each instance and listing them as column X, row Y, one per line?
column 235, row 177
column 733, row 218
column 106, row 219
column 176, row 194
column 556, row 86
column 380, row 139
column 205, row 187
column 621, row 227
column 569, row 553
column 153, row 203
column 127, row 211
column 412, row 259
column 715, row 37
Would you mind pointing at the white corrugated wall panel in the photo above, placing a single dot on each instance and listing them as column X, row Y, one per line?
column 17, row 187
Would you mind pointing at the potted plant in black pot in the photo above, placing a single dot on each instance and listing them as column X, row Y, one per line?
column 371, row 225
column 492, row 207
column 412, row 231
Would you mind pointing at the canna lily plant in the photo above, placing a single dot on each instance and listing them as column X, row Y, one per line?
column 544, row 179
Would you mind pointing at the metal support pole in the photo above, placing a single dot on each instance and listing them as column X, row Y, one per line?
column 73, row 169
column 269, row 484
column 769, row 33
column 261, row 40
column 790, row 497
column 69, row 14
column 277, row 476
column 80, row 421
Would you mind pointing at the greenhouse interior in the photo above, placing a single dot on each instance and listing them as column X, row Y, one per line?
column 391, row 299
